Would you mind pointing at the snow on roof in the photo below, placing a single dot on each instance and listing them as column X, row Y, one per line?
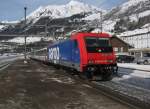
column 98, row 30
column 134, row 32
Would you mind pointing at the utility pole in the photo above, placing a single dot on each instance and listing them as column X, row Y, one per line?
column 148, row 33
column 46, row 28
column 25, row 38
column 101, row 21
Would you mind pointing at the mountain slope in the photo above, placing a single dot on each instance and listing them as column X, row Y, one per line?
column 131, row 15
column 67, row 17
column 129, row 8
column 61, row 11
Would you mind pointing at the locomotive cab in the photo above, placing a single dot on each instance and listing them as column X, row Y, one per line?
column 99, row 51
column 100, row 57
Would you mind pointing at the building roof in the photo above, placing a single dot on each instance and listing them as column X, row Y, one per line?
column 139, row 49
column 122, row 41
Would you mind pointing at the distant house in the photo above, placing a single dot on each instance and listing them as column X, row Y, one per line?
column 119, row 45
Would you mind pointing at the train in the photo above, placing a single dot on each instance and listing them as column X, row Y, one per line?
column 88, row 53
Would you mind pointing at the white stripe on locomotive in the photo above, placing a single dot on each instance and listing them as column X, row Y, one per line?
column 54, row 53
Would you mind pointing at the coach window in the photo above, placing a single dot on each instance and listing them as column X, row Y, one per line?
column 75, row 43
column 146, row 54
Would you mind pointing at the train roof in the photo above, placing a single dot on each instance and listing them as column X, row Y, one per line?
column 83, row 34
column 59, row 41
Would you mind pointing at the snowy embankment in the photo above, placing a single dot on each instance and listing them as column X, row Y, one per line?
column 21, row 40
column 1, row 26
column 7, row 58
column 135, row 66
column 134, row 75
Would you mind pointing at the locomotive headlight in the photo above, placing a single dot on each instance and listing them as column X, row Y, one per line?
column 109, row 60
column 90, row 61
column 92, row 69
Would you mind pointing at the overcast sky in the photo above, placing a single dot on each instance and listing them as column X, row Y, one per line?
column 11, row 10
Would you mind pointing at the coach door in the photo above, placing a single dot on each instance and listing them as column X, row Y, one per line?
column 75, row 55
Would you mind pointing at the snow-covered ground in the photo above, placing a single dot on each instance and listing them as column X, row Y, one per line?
column 140, row 79
column 8, row 58
column 30, row 39
column 1, row 26
column 8, row 55
column 128, row 73
column 137, row 78
column 134, row 66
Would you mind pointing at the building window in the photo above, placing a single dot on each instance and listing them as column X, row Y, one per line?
column 116, row 49
column 121, row 49
column 132, row 53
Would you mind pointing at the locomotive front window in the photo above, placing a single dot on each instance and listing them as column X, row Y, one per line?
column 95, row 44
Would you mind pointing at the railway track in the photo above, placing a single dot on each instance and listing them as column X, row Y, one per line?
column 6, row 61
column 121, row 93
column 128, row 94
column 4, row 65
column 125, row 93
column 117, row 92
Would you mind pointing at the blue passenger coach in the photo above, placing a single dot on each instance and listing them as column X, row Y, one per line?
column 65, row 53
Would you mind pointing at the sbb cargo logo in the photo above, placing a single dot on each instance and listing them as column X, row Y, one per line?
column 54, row 53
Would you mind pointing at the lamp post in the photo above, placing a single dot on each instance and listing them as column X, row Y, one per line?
column 25, row 38
column 148, row 33
column 101, row 21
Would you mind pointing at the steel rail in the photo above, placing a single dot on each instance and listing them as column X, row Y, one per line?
column 4, row 65
column 121, row 97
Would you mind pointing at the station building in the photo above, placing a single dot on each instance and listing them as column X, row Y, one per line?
column 140, row 42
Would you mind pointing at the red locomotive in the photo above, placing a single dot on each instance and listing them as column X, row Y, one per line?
column 96, row 54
